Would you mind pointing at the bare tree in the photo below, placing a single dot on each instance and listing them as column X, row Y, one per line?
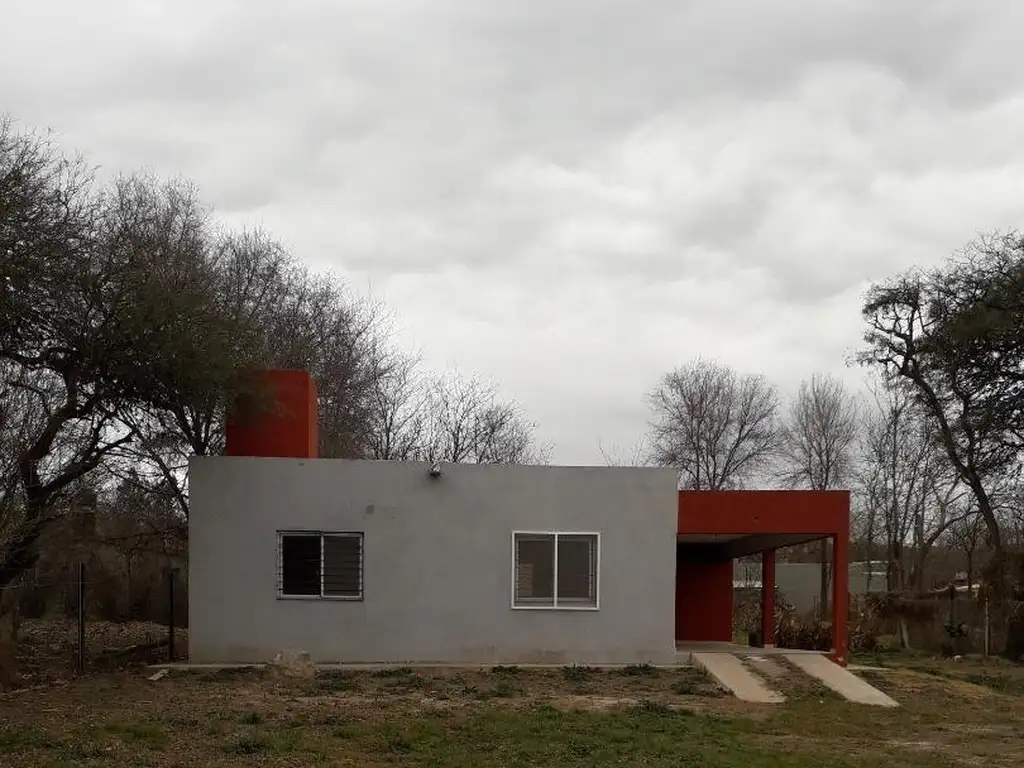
column 818, row 438
column 637, row 456
column 1013, row 512
column 907, row 489
column 865, row 528
column 967, row 535
column 817, row 444
column 398, row 409
column 468, row 423
column 277, row 314
column 951, row 337
column 109, row 306
column 716, row 427
column 340, row 340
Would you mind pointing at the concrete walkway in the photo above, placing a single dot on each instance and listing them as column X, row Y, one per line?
column 731, row 673
column 685, row 649
column 842, row 681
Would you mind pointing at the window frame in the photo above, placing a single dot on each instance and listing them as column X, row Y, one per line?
column 279, row 557
column 555, row 606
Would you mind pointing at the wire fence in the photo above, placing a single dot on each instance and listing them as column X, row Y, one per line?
column 88, row 619
column 946, row 624
column 949, row 625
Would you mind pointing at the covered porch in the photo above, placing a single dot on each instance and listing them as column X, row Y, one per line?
column 715, row 527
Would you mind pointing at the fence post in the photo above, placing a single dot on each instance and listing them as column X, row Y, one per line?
column 81, row 619
column 170, row 614
column 988, row 631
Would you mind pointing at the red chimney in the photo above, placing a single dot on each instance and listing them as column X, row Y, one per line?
column 279, row 419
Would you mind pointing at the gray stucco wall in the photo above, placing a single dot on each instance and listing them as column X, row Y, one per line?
column 437, row 561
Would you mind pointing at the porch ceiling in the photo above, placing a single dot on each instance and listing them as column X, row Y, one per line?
column 740, row 545
column 707, row 538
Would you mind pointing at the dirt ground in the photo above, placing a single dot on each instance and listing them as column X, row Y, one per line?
column 48, row 649
column 966, row 714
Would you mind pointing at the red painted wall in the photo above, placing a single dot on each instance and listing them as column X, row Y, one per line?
column 703, row 597
column 279, row 421
column 758, row 515
column 749, row 512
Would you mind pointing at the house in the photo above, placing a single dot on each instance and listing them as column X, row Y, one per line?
column 407, row 562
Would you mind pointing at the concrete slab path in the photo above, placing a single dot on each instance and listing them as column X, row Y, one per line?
column 731, row 673
column 842, row 681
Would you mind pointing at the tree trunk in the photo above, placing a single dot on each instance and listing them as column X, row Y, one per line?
column 904, row 634
column 21, row 553
column 823, row 595
column 8, row 636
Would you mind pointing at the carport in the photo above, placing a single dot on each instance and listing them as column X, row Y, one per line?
column 715, row 527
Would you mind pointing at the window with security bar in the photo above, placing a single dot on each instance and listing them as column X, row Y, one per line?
column 555, row 570
column 320, row 564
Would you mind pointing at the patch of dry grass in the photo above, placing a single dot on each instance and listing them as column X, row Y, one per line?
column 501, row 716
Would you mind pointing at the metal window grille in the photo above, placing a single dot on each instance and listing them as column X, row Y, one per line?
column 320, row 564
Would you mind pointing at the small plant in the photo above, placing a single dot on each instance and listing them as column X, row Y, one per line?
column 147, row 733
column 393, row 672
column 578, row 749
column 503, row 690
column 329, row 720
column 251, row 718
column 14, row 740
column 337, row 681
column 685, row 687
column 504, row 671
column 399, row 744
column 408, row 682
column 577, row 673
column 650, row 707
column 955, row 631
column 286, row 741
column 247, row 745
column 226, row 674
column 75, row 751
column 214, row 728
column 183, row 721
column 637, row 670
column 545, row 709
column 694, row 681
column 995, row 683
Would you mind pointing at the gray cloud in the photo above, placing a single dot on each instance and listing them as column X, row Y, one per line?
column 567, row 197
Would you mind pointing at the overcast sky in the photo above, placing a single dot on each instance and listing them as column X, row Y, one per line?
column 568, row 197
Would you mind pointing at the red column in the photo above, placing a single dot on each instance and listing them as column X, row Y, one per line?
column 840, row 595
column 768, row 598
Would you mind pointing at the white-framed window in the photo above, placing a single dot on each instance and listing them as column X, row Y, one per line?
column 320, row 565
column 555, row 569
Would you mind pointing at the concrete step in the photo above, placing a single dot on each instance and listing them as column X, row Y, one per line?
column 730, row 672
column 840, row 680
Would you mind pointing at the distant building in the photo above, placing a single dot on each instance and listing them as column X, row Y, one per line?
column 800, row 583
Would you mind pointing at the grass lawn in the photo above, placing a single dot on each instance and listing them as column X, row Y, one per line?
column 965, row 714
